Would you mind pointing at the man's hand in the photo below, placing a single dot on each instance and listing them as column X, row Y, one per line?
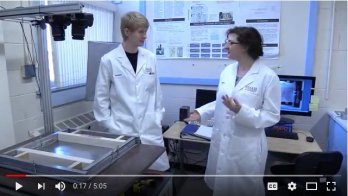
column 194, row 116
column 231, row 103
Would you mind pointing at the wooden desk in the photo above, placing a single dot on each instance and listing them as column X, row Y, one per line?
column 274, row 144
column 134, row 162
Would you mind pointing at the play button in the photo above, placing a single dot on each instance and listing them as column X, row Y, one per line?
column 18, row 186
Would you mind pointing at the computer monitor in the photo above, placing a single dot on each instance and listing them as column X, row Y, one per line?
column 296, row 94
column 204, row 96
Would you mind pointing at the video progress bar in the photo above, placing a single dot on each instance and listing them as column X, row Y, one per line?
column 154, row 175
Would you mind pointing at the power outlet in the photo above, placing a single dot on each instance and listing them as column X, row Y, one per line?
column 28, row 71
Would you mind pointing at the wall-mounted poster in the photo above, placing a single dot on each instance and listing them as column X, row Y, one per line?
column 185, row 29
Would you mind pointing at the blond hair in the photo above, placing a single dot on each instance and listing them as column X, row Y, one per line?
column 133, row 21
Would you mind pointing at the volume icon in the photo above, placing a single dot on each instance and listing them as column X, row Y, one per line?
column 60, row 186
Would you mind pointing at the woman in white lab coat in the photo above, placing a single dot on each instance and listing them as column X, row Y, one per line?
column 247, row 101
column 127, row 96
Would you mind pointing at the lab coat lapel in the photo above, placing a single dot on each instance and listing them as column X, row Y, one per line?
column 123, row 59
column 232, row 79
column 250, row 76
column 141, row 60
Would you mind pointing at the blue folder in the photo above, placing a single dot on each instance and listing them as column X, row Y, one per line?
column 188, row 132
column 190, row 129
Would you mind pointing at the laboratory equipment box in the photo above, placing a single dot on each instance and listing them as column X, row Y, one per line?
column 74, row 155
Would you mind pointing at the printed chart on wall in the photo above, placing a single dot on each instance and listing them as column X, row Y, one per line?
column 196, row 29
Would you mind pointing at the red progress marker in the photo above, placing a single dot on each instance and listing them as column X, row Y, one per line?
column 16, row 175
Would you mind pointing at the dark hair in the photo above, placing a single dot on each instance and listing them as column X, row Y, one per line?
column 250, row 38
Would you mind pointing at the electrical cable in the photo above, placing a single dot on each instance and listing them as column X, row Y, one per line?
column 26, row 43
column 37, row 77
column 305, row 134
column 32, row 40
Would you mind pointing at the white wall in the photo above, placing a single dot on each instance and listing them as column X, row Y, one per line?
column 122, row 8
column 6, row 129
column 337, row 99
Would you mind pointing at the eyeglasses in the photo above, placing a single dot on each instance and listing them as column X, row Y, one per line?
column 227, row 41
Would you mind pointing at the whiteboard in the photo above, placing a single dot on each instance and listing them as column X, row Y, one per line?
column 294, row 19
column 96, row 50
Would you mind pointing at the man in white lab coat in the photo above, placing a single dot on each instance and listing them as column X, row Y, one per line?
column 128, row 96
column 247, row 101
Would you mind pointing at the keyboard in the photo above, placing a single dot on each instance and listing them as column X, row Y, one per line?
column 281, row 134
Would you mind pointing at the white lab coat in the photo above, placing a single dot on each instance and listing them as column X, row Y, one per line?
column 129, row 103
column 238, row 145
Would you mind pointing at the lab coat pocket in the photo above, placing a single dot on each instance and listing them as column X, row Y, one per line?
column 120, row 81
column 151, row 123
column 151, row 128
column 248, row 98
column 118, row 77
column 122, row 123
column 149, row 82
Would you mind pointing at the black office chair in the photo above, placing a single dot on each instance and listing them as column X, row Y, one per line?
column 308, row 163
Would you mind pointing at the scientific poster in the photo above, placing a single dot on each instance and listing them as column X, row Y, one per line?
column 185, row 29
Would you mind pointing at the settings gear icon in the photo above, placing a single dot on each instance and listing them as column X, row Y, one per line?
column 292, row 186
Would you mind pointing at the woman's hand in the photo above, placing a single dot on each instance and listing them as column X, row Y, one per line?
column 194, row 116
column 231, row 103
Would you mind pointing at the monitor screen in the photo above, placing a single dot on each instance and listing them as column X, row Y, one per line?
column 296, row 94
column 204, row 96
